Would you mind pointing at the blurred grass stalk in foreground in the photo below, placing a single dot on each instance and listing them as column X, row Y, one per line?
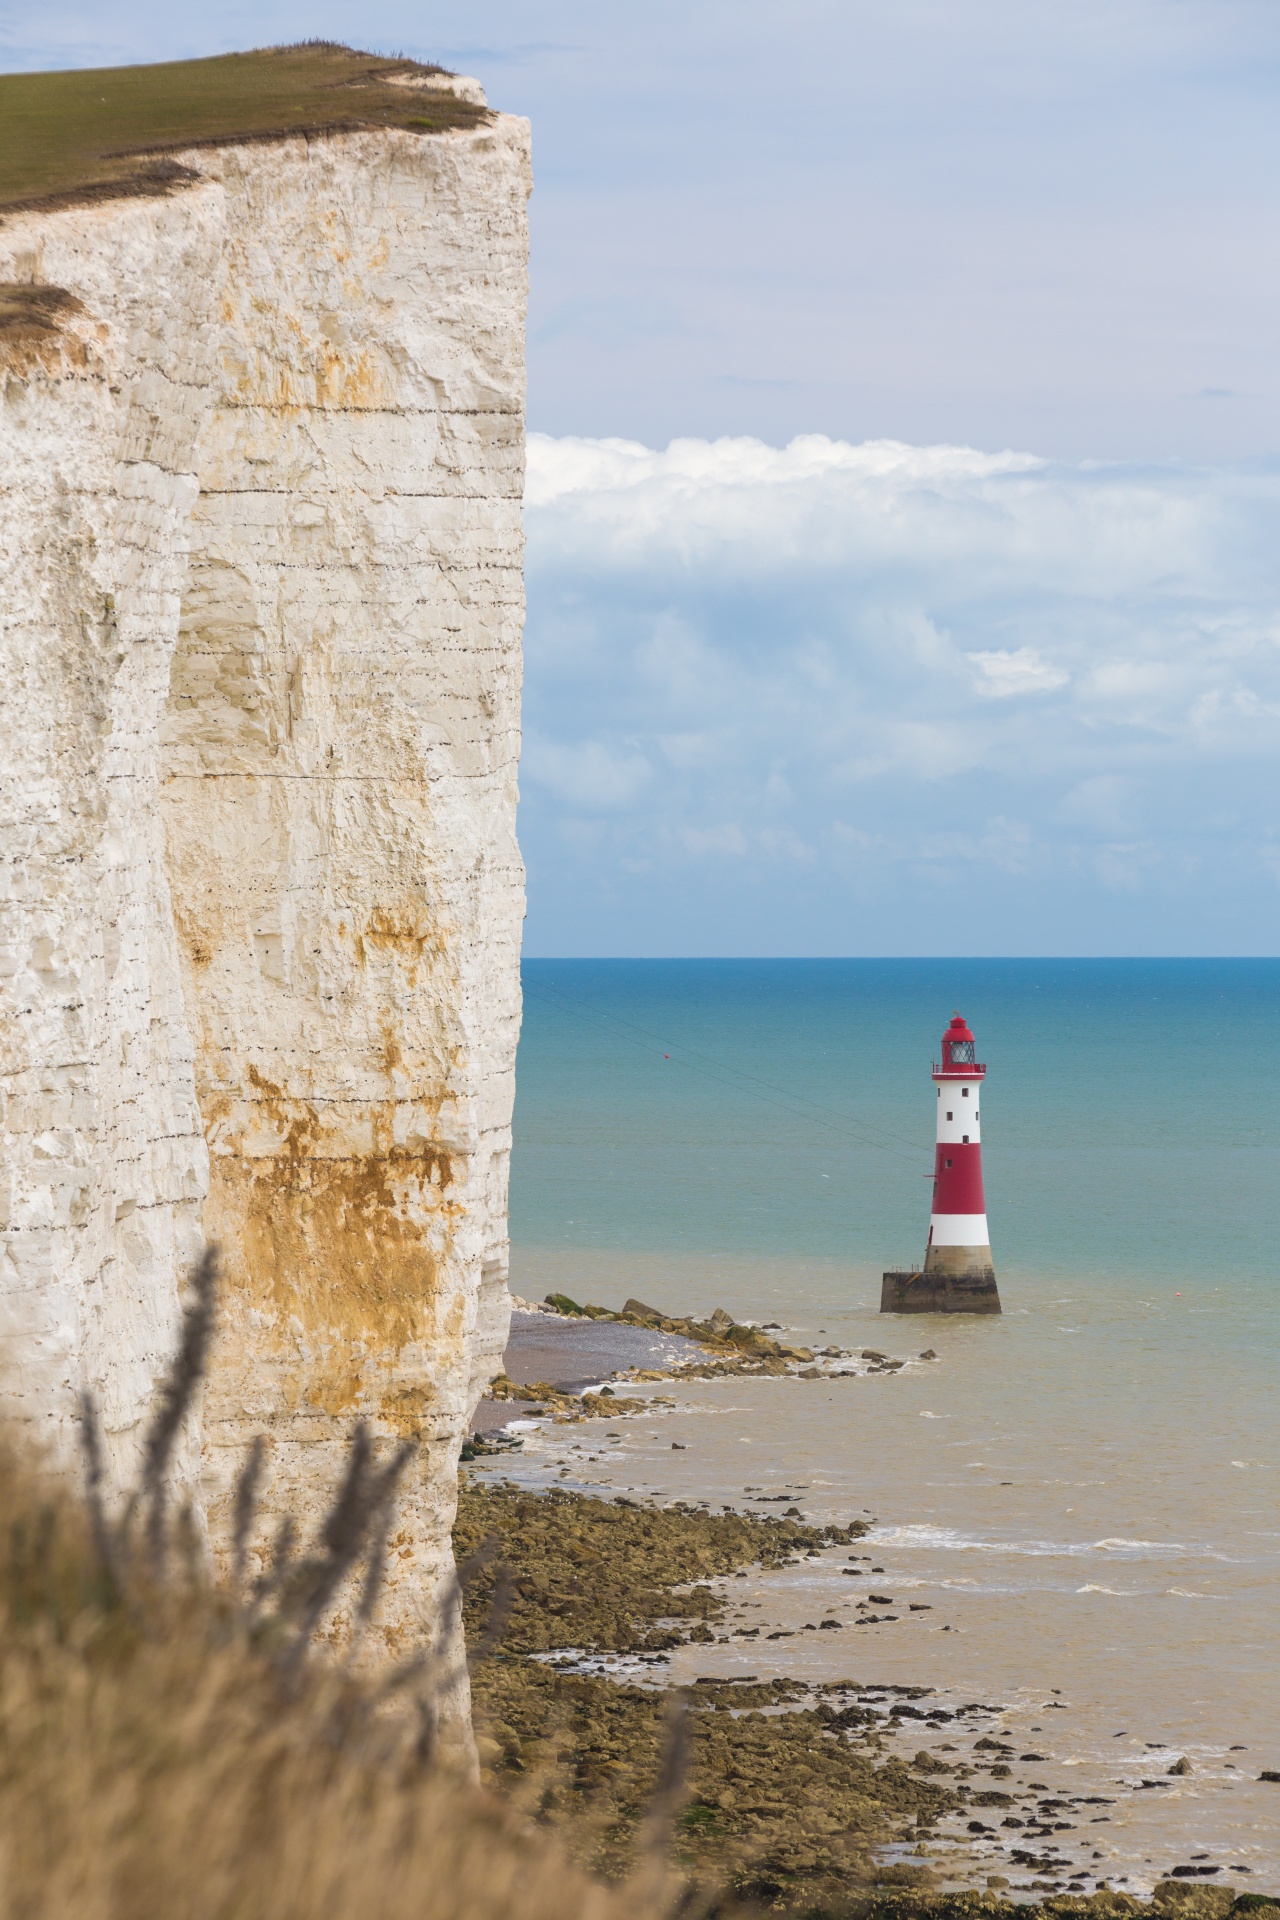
column 171, row 1747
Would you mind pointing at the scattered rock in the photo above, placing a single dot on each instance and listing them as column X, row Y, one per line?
column 1193, row 1902
column 639, row 1311
column 561, row 1303
column 1181, row 1766
column 776, row 1814
column 601, row 1574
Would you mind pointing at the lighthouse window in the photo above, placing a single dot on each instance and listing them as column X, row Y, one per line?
column 948, row 1163
column 961, row 1051
column 951, row 1116
column 966, row 1139
column 964, row 1093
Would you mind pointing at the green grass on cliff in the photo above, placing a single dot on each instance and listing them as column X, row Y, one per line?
column 101, row 132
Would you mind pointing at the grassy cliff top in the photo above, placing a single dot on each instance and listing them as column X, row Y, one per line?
column 97, row 133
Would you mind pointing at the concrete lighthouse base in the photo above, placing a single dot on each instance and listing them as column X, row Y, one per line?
column 952, row 1280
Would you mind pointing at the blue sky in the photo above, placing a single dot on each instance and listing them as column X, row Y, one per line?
column 903, row 565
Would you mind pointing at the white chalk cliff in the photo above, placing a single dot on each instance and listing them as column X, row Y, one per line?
column 261, row 461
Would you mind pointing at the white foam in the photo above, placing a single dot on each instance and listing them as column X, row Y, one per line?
column 949, row 1540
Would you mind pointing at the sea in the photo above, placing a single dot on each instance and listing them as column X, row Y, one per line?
column 1074, row 1505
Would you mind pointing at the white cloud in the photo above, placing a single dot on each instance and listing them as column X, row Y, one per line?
column 589, row 774
column 885, row 662
column 1002, row 674
column 728, row 841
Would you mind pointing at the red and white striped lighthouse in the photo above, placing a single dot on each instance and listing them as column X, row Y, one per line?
column 957, row 1276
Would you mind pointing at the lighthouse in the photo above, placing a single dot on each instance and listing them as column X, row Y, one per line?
column 957, row 1275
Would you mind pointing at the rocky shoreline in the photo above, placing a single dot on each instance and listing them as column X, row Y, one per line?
column 587, row 1352
column 807, row 1798
column 833, row 1796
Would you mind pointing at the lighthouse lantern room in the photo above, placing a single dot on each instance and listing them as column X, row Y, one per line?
column 957, row 1275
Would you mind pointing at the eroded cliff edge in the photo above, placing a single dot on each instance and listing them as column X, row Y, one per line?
column 261, row 459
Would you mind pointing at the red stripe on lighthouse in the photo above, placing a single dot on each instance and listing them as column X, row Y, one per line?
column 957, row 1179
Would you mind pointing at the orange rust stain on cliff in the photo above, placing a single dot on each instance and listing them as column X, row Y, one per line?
column 336, row 1244
column 315, row 374
column 348, row 380
column 404, row 1410
column 296, row 1121
column 195, row 942
column 392, row 1052
column 401, row 933
column 334, row 1256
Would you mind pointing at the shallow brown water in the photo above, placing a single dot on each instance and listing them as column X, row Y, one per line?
column 1079, row 1496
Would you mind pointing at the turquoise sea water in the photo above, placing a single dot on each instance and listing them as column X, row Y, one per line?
column 1083, row 1493
column 1130, row 1120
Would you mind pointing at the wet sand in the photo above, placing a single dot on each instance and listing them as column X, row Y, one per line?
column 573, row 1354
column 990, row 1617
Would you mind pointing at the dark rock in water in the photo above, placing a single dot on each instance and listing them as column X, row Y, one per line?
column 1268, row 1773
column 831, row 1623
column 640, row 1311
column 869, row 1353
column 1181, row 1766
column 678, row 1446
column 563, row 1304
column 929, row 1354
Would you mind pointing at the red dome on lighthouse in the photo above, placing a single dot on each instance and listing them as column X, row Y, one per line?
column 959, row 1054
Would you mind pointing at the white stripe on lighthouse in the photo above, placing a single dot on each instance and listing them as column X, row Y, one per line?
column 959, row 1230
column 958, row 1112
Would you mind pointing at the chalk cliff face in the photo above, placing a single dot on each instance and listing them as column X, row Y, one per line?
column 260, row 477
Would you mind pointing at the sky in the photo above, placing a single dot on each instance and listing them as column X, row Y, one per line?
column 905, row 447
